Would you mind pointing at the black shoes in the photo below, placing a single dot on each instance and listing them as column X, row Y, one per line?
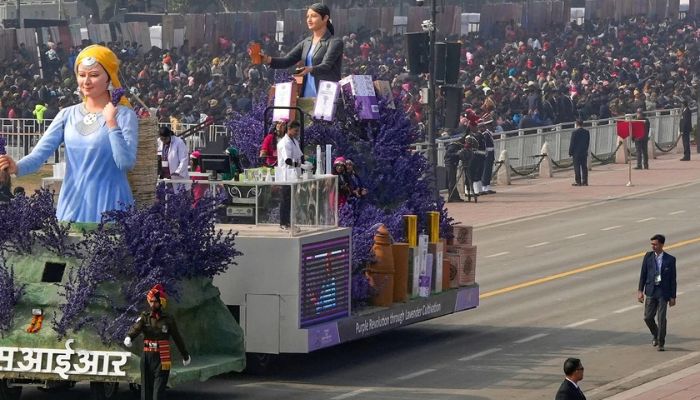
column 575, row 184
column 661, row 348
column 637, row 167
column 685, row 159
column 457, row 200
column 654, row 342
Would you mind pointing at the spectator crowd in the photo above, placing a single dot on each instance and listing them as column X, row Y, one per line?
column 595, row 70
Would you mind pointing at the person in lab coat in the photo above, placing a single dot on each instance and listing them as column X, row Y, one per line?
column 289, row 160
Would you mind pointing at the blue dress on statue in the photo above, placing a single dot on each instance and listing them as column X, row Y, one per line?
column 96, row 163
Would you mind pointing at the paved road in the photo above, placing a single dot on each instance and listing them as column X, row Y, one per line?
column 553, row 286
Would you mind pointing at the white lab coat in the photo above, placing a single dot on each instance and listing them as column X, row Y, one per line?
column 178, row 157
column 288, row 148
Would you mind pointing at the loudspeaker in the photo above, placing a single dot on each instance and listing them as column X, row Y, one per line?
column 440, row 49
column 452, row 53
column 452, row 96
column 418, row 52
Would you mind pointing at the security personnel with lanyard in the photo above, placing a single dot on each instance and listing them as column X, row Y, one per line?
column 157, row 328
column 488, row 163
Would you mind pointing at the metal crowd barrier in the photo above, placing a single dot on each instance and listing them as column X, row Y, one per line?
column 21, row 135
column 524, row 145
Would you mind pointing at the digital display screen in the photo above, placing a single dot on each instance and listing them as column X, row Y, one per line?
column 325, row 281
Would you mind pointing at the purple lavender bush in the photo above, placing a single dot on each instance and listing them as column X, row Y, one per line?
column 173, row 240
column 10, row 293
column 3, row 143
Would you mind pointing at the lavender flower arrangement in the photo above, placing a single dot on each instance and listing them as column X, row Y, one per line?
column 165, row 243
column 28, row 220
column 117, row 95
column 247, row 134
column 10, row 293
column 3, row 143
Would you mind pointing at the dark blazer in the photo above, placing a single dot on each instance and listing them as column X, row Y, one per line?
column 567, row 391
column 580, row 140
column 668, row 275
column 686, row 123
column 327, row 59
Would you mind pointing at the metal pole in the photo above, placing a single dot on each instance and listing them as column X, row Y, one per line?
column 19, row 19
column 629, row 159
column 432, row 149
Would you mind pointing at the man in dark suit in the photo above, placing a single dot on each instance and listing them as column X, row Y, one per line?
column 578, row 149
column 686, row 126
column 569, row 389
column 657, row 281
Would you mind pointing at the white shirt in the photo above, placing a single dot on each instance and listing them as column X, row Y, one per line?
column 178, row 156
column 287, row 148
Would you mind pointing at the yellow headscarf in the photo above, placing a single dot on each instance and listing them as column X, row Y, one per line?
column 109, row 62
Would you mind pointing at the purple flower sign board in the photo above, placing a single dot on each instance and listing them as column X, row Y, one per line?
column 362, row 87
column 325, row 100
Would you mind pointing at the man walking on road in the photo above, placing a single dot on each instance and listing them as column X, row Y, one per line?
column 578, row 149
column 657, row 281
column 569, row 389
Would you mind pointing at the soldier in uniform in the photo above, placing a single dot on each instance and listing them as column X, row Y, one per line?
column 471, row 145
column 488, row 163
column 476, row 167
column 157, row 328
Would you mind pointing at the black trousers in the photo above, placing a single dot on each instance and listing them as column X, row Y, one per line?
column 581, row 169
column 655, row 307
column 286, row 205
column 488, row 168
column 153, row 378
column 476, row 167
column 686, row 145
column 642, row 153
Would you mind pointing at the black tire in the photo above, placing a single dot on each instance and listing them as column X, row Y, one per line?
column 9, row 393
column 104, row 390
column 260, row 363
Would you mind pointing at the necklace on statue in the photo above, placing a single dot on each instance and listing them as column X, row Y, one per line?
column 89, row 123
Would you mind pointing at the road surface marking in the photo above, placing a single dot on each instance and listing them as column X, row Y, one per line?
column 580, row 270
column 676, row 212
column 579, row 323
column 351, row 394
column 415, row 374
column 620, row 382
column 503, row 253
column 647, row 219
column 531, row 338
column 611, row 228
column 480, row 354
column 622, row 310
column 537, row 245
column 575, row 236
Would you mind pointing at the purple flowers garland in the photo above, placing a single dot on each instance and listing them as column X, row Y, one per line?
column 3, row 143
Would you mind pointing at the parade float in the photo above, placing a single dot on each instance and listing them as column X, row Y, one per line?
column 69, row 293
column 383, row 260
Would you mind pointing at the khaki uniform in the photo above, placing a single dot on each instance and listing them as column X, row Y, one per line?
column 156, row 360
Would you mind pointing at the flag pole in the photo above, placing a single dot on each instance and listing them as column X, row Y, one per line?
column 629, row 159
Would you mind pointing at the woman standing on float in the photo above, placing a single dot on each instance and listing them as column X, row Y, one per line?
column 100, row 143
column 321, row 53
